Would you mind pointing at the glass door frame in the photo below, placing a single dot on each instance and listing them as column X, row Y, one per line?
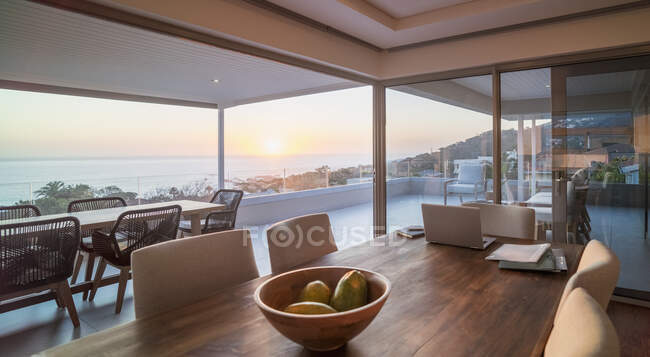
column 559, row 77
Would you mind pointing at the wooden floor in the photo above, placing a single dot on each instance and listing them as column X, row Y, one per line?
column 633, row 326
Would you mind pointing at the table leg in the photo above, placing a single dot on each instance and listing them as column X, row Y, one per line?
column 195, row 219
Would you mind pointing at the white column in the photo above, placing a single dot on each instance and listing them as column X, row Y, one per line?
column 533, row 160
column 221, row 159
column 520, row 159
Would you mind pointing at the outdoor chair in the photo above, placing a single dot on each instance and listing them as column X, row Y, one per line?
column 86, row 247
column 218, row 221
column 471, row 180
column 208, row 263
column 133, row 230
column 38, row 256
column 18, row 211
column 299, row 240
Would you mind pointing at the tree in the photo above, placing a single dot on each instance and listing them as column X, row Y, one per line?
column 51, row 189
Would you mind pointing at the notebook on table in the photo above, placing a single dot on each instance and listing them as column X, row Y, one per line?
column 520, row 253
column 411, row 232
column 537, row 257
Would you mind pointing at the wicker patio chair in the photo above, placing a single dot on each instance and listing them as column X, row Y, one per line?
column 37, row 256
column 219, row 221
column 18, row 211
column 133, row 230
column 86, row 248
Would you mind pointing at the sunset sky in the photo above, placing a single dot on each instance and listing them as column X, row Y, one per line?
column 46, row 125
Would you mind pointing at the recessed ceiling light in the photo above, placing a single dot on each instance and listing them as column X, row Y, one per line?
column 548, row 86
column 215, row 81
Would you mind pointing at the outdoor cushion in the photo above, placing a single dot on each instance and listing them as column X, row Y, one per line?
column 470, row 174
column 461, row 188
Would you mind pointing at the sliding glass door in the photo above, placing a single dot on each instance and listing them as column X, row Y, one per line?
column 574, row 146
column 601, row 143
column 438, row 146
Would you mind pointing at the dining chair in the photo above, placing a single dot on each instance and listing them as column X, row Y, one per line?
column 582, row 329
column 299, row 240
column 37, row 256
column 18, row 211
column 180, row 272
column 133, row 230
column 86, row 247
column 506, row 221
column 471, row 180
column 597, row 273
column 222, row 220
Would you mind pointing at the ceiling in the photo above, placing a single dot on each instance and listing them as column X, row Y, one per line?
column 528, row 93
column 391, row 23
column 405, row 8
column 44, row 45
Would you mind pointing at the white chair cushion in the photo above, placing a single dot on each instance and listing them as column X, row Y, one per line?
column 461, row 188
column 470, row 174
column 582, row 330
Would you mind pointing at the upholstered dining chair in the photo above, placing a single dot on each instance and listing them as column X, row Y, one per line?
column 299, row 240
column 37, row 256
column 133, row 230
column 222, row 220
column 86, row 247
column 471, row 180
column 582, row 329
column 193, row 269
column 597, row 273
column 18, row 211
column 506, row 221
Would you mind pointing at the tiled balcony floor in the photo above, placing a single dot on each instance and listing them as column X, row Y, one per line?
column 39, row 327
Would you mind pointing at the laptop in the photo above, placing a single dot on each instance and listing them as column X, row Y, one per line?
column 454, row 225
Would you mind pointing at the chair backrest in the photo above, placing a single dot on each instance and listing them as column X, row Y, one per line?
column 597, row 273
column 92, row 204
column 506, row 221
column 471, row 174
column 180, row 272
column 582, row 329
column 138, row 229
column 37, row 253
column 230, row 198
column 299, row 240
column 19, row 211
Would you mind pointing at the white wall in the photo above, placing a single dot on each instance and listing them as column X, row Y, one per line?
column 273, row 208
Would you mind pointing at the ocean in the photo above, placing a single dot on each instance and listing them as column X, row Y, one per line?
column 20, row 178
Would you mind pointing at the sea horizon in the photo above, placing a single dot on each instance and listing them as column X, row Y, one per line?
column 19, row 178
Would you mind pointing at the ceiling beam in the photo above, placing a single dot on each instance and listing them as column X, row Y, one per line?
column 589, row 13
column 80, row 92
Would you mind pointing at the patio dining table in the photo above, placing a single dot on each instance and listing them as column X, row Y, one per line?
column 105, row 218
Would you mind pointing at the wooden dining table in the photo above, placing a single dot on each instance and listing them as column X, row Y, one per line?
column 105, row 218
column 445, row 301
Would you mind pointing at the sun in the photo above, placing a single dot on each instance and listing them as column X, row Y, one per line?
column 272, row 147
